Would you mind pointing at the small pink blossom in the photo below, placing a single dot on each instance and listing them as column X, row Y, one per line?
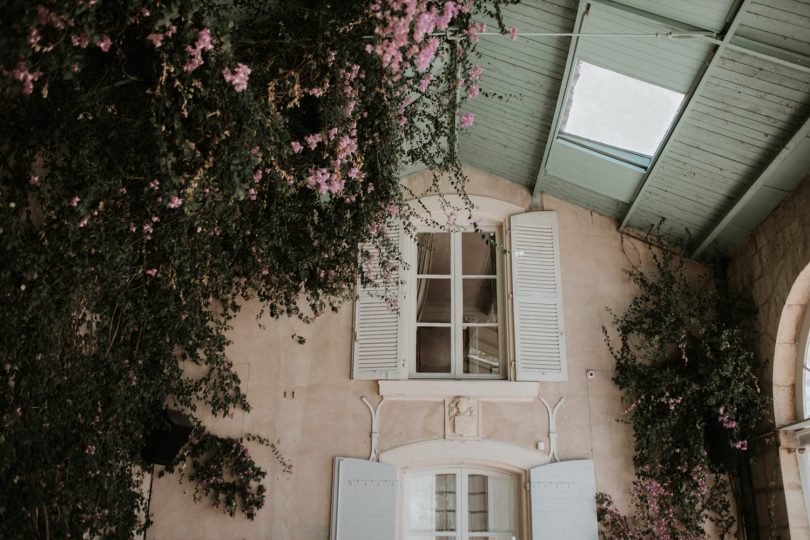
column 252, row 194
column 423, row 84
column 257, row 175
column 392, row 210
column 513, row 31
column 313, row 140
column 90, row 450
column 473, row 91
column 79, row 41
column 147, row 229
column 331, row 133
column 74, row 201
column 296, row 146
column 155, row 219
column 104, row 43
column 156, row 39
column 238, row 78
column 152, row 272
column 426, row 55
column 467, row 119
column 154, row 184
column 204, row 40
column 83, row 222
column 34, row 180
column 175, row 202
column 27, row 78
column 475, row 72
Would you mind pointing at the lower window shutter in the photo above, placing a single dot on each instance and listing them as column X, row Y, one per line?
column 564, row 501
column 377, row 327
column 364, row 500
column 537, row 297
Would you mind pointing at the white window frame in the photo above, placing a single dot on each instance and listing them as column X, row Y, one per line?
column 462, row 473
column 803, row 408
column 457, row 324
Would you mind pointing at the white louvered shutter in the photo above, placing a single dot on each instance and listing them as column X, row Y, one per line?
column 364, row 500
column 564, row 501
column 377, row 328
column 537, row 297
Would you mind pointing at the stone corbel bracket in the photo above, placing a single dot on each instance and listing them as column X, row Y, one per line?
column 375, row 428
column 552, row 427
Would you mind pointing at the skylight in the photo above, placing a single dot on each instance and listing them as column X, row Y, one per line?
column 619, row 111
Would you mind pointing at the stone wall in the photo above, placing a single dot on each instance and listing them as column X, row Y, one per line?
column 773, row 264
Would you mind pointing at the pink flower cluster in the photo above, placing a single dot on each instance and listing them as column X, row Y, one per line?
column 467, row 119
column 203, row 43
column 325, row 181
column 404, row 26
column 725, row 419
column 238, row 78
column 26, row 77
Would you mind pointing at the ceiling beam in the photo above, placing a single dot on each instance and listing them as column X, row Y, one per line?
column 675, row 129
column 770, row 53
column 753, row 188
column 582, row 11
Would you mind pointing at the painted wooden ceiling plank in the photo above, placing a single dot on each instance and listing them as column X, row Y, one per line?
column 708, row 113
column 780, row 23
column 688, row 172
column 723, row 145
column 742, row 114
column 792, row 7
column 775, row 39
column 744, row 133
column 755, row 68
column 759, row 86
column 708, row 157
column 527, row 158
column 704, row 14
column 753, row 188
column 784, row 112
column 714, row 187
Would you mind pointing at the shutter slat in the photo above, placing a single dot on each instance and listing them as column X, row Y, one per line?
column 537, row 297
column 378, row 329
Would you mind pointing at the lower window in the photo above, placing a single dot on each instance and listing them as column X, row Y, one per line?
column 461, row 503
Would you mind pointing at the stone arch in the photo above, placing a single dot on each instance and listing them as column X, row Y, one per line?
column 787, row 358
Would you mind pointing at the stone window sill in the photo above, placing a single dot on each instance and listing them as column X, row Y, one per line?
column 427, row 390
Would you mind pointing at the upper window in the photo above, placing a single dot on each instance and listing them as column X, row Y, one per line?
column 461, row 504
column 457, row 310
column 617, row 115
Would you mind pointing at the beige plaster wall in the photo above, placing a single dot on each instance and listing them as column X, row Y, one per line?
column 773, row 264
column 326, row 418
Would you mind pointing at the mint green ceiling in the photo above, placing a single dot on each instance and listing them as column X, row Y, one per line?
column 740, row 145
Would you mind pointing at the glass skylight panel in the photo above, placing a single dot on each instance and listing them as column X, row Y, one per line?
column 619, row 111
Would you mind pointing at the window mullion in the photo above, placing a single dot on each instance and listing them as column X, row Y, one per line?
column 462, row 522
column 458, row 306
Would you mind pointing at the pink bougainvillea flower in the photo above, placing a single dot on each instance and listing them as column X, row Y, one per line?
column 104, row 43
column 475, row 72
column 513, row 31
column 79, row 41
column 313, row 140
column 155, row 39
column 238, row 78
column 175, row 202
column 467, row 119
column 473, row 91
column 296, row 146
column 152, row 272
column 74, row 201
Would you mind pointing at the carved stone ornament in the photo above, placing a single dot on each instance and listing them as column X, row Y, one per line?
column 462, row 418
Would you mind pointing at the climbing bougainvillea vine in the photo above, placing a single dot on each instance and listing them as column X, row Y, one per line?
column 165, row 161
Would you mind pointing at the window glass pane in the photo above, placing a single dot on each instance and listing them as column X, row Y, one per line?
column 481, row 351
column 478, row 501
column 480, row 300
column 501, row 506
column 619, row 111
column 432, row 504
column 434, row 253
column 478, row 255
column 433, row 350
column 433, row 297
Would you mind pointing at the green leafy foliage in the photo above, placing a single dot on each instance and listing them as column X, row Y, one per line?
column 685, row 366
column 165, row 161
